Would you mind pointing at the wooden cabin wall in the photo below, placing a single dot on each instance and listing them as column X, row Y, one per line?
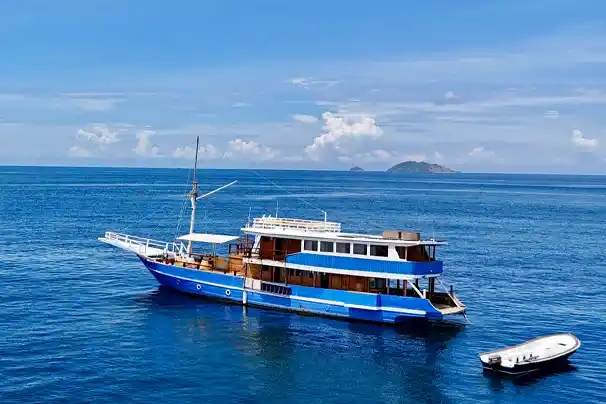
column 302, row 278
column 305, row 278
column 267, row 274
column 291, row 246
column 417, row 253
column 276, row 248
column 254, row 271
column 358, row 283
column 347, row 282
column 266, row 248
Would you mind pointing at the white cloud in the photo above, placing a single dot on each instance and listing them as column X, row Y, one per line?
column 249, row 150
column 309, row 82
column 450, row 95
column 339, row 128
column 145, row 147
column 552, row 114
column 580, row 141
column 99, row 134
column 79, row 152
column 480, row 153
column 305, row 118
column 439, row 157
column 240, row 105
column 188, row 152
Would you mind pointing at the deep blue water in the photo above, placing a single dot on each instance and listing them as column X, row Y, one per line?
column 81, row 322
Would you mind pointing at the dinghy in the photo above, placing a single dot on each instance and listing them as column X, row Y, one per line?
column 536, row 354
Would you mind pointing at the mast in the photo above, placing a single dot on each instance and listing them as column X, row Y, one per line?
column 193, row 195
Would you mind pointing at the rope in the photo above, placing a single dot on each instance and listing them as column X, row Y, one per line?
column 288, row 192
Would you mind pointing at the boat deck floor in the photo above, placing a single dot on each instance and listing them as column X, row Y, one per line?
column 446, row 309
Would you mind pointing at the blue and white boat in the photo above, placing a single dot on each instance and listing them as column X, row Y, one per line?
column 306, row 266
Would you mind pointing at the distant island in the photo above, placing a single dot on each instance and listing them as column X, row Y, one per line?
column 419, row 167
column 356, row 168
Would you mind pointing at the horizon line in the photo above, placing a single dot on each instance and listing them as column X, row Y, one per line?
column 294, row 169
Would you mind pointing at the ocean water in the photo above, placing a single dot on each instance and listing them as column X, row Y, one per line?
column 81, row 322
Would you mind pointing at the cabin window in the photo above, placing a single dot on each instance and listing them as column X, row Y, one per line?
column 310, row 245
column 401, row 252
column 378, row 250
column 343, row 248
column 327, row 246
column 360, row 249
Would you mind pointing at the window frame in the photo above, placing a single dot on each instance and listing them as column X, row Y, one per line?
column 314, row 243
column 337, row 244
column 378, row 247
column 327, row 243
column 360, row 244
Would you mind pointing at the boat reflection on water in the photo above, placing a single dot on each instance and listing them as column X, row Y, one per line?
column 356, row 360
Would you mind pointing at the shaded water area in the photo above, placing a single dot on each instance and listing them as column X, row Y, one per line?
column 82, row 322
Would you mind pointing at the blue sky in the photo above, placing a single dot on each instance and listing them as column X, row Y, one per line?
column 501, row 86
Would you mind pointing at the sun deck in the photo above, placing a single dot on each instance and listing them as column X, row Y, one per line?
column 323, row 230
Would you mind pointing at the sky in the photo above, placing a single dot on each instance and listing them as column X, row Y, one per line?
column 478, row 86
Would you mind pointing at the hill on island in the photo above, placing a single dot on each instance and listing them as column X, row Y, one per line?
column 356, row 168
column 419, row 167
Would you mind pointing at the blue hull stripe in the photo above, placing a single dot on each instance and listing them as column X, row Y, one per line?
column 366, row 264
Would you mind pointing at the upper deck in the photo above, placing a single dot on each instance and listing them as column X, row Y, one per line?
column 324, row 230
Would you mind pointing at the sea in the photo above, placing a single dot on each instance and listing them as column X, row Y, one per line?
column 83, row 322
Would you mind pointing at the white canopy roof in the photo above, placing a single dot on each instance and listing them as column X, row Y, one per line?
column 207, row 238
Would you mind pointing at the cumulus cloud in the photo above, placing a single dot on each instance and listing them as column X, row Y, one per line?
column 338, row 129
column 145, row 146
column 249, row 150
column 99, row 134
column 580, row 141
column 209, row 152
column 480, row 153
column 78, row 151
column 305, row 118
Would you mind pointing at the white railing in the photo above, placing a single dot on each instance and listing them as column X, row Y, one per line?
column 144, row 245
column 277, row 223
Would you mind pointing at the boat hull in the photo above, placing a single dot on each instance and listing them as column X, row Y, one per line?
column 539, row 354
column 324, row 302
column 531, row 367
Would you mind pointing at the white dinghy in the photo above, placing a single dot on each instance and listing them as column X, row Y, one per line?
column 535, row 354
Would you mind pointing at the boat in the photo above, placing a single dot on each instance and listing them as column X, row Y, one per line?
column 302, row 265
column 541, row 353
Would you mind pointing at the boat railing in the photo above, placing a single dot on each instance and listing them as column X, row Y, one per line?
column 144, row 245
column 279, row 223
column 268, row 254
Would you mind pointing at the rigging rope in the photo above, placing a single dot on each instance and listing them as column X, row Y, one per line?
column 287, row 191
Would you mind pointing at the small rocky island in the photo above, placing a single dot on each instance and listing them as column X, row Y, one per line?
column 356, row 169
column 419, row 167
